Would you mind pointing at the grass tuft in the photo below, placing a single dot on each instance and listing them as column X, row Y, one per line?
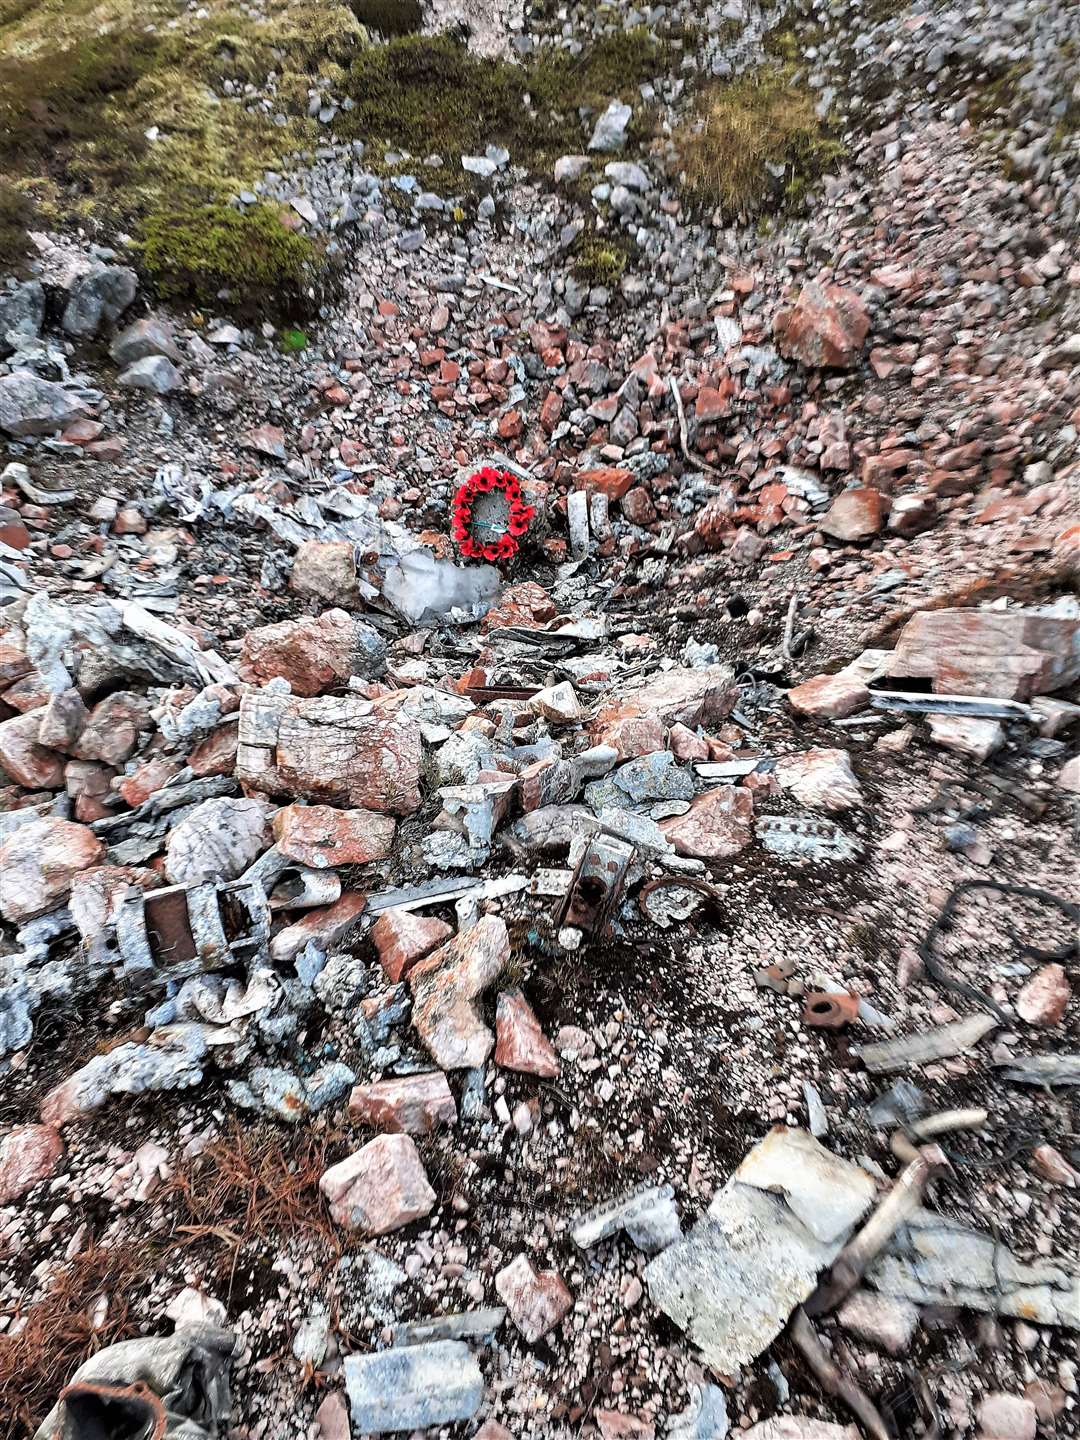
column 744, row 126
column 600, row 259
column 16, row 214
column 252, row 1185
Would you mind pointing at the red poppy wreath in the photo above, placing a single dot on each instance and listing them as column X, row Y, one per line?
column 489, row 515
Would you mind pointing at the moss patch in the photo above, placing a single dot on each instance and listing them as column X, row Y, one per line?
column 389, row 17
column 115, row 113
column 429, row 95
column 82, row 81
column 193, row 255
column 16, row 214
column 600, row 259
column 743, row 127
column 996, row 97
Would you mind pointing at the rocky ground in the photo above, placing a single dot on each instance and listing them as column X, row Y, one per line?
column 469, row 998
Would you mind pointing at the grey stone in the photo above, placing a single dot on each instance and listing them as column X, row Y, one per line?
column 22, row 312
column 311, row 1340
column 649, row 1218
column 705, row 1418
column 153, row 372
column 628, row 174
column 32, row 406
column 99, row 298
column 647, row 777
column 610, row 130
column 169, row 1060
column 734, row 1281
column 570, row 167
column 623, row 201
column 412, row 1387
column 829, row 1195
column 881, row 1320
column 144, row 338
column 471, row 1325
column 478, row 165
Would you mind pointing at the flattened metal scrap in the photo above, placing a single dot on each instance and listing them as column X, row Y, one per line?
column 185, row 930
column 734, row 1281
column 937, row 1261
column 920, row 1049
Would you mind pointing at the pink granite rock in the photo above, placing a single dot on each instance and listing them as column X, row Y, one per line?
column 402, row 938
column 717, row 826
column 854, row 515
column 312, row 654
column 112, row 731
column 29, row 764
column 412, row 1105
column 820, row 779
column 1043, row 999
column 830, row 697
column 446, row 987
column 380, row 1188
column 38, row 863
column 322, row 837
column 536, row 1301
column 326, row 925
column 826, row 327
column 28, row 1155
column 520, row 1044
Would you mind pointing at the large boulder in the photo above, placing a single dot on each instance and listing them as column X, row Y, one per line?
column 312, row 654
column 332, row 748
column 38, row 863
column 32, row 406
column 22, row 312
column 1005, row 654
column 98, row 298
column 446, row 987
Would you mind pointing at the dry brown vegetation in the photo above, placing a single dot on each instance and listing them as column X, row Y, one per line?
column 254, row 1182
column 57, row 1332
column 741, row 128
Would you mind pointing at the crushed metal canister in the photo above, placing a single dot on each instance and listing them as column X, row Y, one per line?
column 188, row 929
column 594, row 890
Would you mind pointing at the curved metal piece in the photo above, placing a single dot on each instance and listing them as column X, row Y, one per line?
column 111, row 1412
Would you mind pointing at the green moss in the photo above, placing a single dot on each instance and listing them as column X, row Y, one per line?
column 600, row 259
column 743, row 127
column 389, row 17
column 192, row 255
column 428, row 94
column 612, row 68
column 293, row 341
column 875, row 11
column 82, row 81
column 16, row 213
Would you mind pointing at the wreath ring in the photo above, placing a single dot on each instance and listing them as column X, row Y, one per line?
column 486, row 482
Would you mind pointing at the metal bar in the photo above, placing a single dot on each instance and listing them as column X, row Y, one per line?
column 977, row 706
